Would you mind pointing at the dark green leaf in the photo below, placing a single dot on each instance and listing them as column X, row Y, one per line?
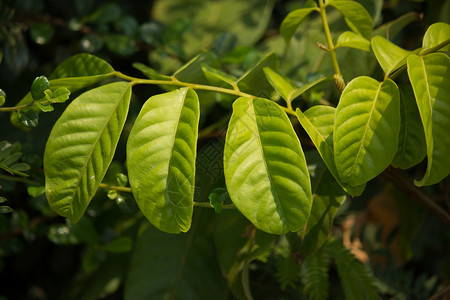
column 42, row 33
column 217, row 197
column 391, row 29
column 28, row 118
column 91, row 43
column 254, row 81
column 39, row 86
column 120, row 44
column 5, row 209
column 119, row 245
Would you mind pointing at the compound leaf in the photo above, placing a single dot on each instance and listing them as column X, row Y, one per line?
column 356, row 16
column 366, row 129
column 81, row 147
column 318, row 122
column 265, row 168
column 429, row 78
column 161, row 153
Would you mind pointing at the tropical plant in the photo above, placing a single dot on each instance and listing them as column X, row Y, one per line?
column 273, row 199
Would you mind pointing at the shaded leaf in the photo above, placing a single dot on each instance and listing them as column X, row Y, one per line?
column 293, row 20
column 318, row 122
column 411, row 142
column 39, row 86
column 119, row 245
column 429, row 79
column 28, row 118
column 391, row 29
column 254, row 81
column 81, row 147
column 161, row 153
column 42, row 33
column 265, row 169
column 218, row 78
column 366, row 129
column 356, row 16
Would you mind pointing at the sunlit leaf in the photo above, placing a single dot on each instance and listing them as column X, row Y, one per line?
column 81, row 147
column 366, row 129
column 436, row 34
column 356, row 16
column 292, row 21
column 265, row 169
column 353, row 40
column 429, row 79
column 161, row 153
column 318, row 122
column 411, row 142
column 388, row 54
column 38, row 87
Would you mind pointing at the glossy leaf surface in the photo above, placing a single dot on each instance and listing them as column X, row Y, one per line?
column 389, row 55
column 318, row 122
column 292, row 21
column 436, row 34
column 356, row 16
column 366, row 129
column 161, row 153
column 411, row 141
column 265, row 169
column 81, row 147
column 353, row 40
column 429, row 79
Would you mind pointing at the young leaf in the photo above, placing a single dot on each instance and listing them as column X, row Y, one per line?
column 60, row 95
column 366, row 129
column 389, row 55
column 356, row 16
column 429, row 79
column 353, row 40
column 436, row 34
column 40, row 84
column 81, row 147
column 292, row 21
column 254, row 81
column 327, row 198
column 411, row 143
column 265, row 168
column 75, row 73
column 318, row 122
column 161, row 153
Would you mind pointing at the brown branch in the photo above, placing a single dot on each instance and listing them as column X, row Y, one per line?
column 415, row 193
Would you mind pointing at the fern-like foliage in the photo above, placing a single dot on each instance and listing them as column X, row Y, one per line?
column 357, row 281
column 314, row 273
column 287, row 269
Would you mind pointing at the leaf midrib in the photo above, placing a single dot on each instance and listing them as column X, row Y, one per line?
column 89, row 157
column 277, row 200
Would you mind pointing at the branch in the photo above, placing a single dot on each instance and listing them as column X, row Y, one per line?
column 414, row 193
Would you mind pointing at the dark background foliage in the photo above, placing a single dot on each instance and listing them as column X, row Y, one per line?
column 42, row 256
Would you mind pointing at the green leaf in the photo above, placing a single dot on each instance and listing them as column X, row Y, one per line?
column 411, row 143
column 327, row 198
column 193, row 72
column 44, row 108
column 254, row 81
column 75, row 73
column 5, row 209
column 120, row 44
column 167, row 266
column 161, row 153
column 119, row 245
column 60, row 95
column 356, row 16
column 35, row 191
column 2, row 97
column 314, row 271
column 218, row 78
column 28, row 118
column 237, row 243
column 19, row 167
column 353, row 40
column 429, row 79
column 150, row 73
column 280, row 83
column 357, row 281
column 436, row 34
column 391, row 29
column 42, row 33
column 81, row 147
column 40, row 84
column 389, row 55
column 292, row 21
column 318, row 122
column 366, row 129
column 265, row 168
column 217, row 197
